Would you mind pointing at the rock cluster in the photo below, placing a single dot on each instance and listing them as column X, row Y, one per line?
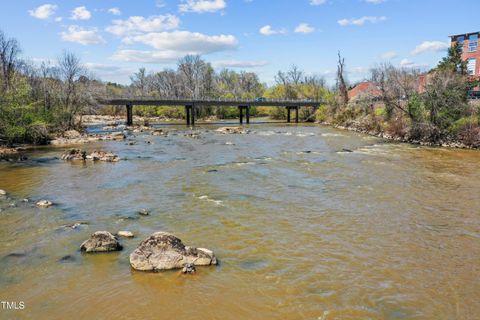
column 101, row 241
column 160, row 251
column 77, row 154
column 231, row 130
column 103, row 156
column 164, row 251
column 159, row 132
column 74, row 137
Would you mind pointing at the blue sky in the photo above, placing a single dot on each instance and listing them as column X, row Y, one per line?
column 115, row 38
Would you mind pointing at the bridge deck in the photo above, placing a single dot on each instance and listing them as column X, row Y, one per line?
column 151, row 101
column 192, row 104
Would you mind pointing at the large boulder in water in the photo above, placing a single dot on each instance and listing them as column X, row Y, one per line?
column 164, row 251
column 101, row 241
column 103, row 156
column 74, row 154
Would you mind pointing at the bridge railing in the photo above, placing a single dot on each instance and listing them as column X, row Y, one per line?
column 216, row 100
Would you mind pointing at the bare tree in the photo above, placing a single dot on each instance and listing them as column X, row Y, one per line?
column 70, row 70
column 139, row 82
column 9, row 52
column 295, row 75
column 190, row 68
column 341, row 81
column 397, row 86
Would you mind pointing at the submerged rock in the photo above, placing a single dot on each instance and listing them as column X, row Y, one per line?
column 44, row 204
column 101, row 241
column 164, row 251
column 67, row 258
column 3, row 192
column 75, row 225
column 125, row 234
column 159, row 132
column 232, row 130
column 143, row 212
column 189, row 268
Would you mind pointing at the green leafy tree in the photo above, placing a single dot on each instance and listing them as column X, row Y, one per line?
column 453, row 62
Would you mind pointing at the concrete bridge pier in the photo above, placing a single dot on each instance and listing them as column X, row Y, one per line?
column 190, row 115
column 289, row 115
column 129, row 114
column 247, row 113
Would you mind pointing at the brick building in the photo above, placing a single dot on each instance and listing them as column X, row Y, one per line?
column 365, row 89
column 471, row 53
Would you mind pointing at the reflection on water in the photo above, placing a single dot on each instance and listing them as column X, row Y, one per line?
column 308, row 223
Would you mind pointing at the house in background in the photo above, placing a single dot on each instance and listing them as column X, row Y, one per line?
column 469, row 44
column 364, row 90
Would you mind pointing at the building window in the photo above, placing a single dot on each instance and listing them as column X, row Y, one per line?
column 461, row 41
column 471, row 66
column 472, row 43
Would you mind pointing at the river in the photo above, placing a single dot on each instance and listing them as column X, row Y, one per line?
column 303, row 228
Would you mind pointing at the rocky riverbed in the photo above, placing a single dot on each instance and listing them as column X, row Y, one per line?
column 296, row 215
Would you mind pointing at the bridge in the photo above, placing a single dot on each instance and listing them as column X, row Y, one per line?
column 192, row 104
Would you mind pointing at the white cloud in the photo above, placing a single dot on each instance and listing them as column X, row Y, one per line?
column 360, row 21
column 44, row 11
column 147, row 56
column 81, row 35
column 115, row 11
column 138, row 24
column 173, row 45
column 375, row 1
column 185, row 42
column 160, row 4
column 111, row 73
column 269, row 31
column 406, row 63
column 389, row 55
column 80, row 13
column 201, row 6
column 317, row 2
column 238, row 64
column 304, row 28
column 430, row 46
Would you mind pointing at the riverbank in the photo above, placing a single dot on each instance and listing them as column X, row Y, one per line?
column 447, row 143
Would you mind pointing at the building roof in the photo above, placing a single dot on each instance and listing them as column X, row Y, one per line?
column 464, row 34
column 364, row 89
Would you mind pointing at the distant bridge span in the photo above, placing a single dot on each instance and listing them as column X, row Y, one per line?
column 191, row 105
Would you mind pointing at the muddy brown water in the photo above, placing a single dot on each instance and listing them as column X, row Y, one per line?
column 303, row 229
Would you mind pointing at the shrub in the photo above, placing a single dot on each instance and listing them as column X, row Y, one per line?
column 398, row 127
column 321, row 115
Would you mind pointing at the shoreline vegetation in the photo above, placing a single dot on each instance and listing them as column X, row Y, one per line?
column 44, row 104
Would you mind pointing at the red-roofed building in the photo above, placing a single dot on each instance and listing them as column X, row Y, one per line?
column 365, row 89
